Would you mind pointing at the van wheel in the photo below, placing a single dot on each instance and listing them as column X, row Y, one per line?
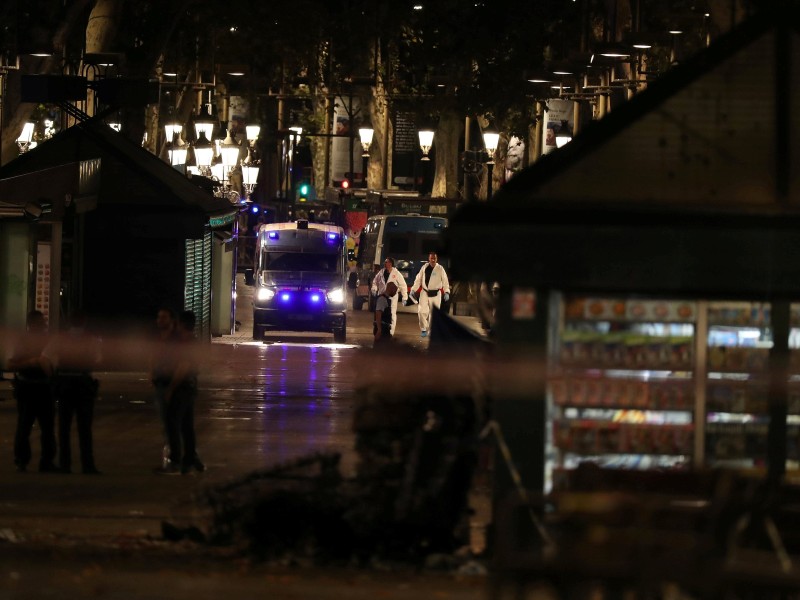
column 358, row 302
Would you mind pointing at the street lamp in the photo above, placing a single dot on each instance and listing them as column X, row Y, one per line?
column 221, row 171
column 252, row 131
column 229, row 151
column 490, row 140
column 177, row 151
column 425, row 142
column 172, row 129
column 25, row 140
column 203, row 153
column 249, row 178
column 562, row 139
column 365, row 132
column 204, row 125
column 294, row 139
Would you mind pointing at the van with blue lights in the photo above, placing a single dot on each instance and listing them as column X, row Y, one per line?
column 407, row 238
column 300, row 279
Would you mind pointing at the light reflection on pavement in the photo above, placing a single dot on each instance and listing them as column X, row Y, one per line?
column 260, row 404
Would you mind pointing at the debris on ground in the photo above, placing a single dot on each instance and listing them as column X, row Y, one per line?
column 408, row 500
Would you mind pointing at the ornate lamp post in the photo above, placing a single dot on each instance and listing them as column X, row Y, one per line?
column 294, row 138
column 204, row 125
column 25, row 140
column 229, row 154
column 250, row 164
column 176, row 148
column 425, row 142
column 203, row 153
column 177, row 151
column 366, row 133
column 490, row 140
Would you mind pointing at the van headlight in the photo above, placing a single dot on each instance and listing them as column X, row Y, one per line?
column 336, row 296
column 265, row 294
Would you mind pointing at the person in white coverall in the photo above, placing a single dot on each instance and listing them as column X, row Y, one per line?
column 384, row 276
column 431, row 287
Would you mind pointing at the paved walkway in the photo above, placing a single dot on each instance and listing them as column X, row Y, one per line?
column 82, row 536
column 359, row 324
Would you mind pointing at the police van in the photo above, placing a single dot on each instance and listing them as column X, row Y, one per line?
column 300, row 278
column 408, row 239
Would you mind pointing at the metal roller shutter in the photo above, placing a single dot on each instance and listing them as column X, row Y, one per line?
column 197, row 283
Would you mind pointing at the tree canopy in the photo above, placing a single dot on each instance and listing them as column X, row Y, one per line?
column 432, row 56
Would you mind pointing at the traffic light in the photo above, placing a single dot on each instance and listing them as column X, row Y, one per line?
column 302, row 192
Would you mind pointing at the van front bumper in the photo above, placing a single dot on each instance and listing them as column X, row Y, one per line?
column 295, row 320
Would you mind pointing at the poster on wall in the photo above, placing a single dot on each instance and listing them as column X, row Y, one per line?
column 515, row 157
column 405, row 149
column 523, row 304
column 344, row 164
column 43, row 279
column 559, row 121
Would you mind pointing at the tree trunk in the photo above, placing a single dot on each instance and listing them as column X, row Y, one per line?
column 448, row 133
column 320, row 146
column 101, row 29
column 377, row 110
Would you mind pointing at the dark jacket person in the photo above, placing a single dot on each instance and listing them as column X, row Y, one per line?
column 35, row 402
column 74, row 356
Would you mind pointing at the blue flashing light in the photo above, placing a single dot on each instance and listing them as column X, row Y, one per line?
column 286, row 296
column 255, row 209
column 315, row 298
column 273, row 235
column 332, row 237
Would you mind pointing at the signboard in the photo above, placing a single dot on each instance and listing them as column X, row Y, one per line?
column 559, row 118
column 341, row 162
column 405, row 148
column 523, row 304
column 43, row 279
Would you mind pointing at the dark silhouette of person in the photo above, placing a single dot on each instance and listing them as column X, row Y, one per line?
column 35, row 404
column 180, row 397
column 74, row 356
column 161, row 368
column 382, row 327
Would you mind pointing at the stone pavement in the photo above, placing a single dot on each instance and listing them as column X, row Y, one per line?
column 359, row 324
column 82, row 536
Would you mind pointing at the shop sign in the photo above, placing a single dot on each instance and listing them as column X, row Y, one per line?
column 523, row 304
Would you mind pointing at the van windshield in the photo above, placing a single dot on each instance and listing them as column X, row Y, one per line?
column 300, row 261
column 411, row 244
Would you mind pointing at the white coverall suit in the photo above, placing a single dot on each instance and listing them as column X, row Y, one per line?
column 379, row 286
column 438, row 285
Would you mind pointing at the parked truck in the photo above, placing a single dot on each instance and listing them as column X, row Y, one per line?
column 300, row 278
column 407, row 238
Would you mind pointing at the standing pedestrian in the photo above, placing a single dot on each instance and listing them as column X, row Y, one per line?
column 431, row 287
column 74, row 357
column 179, row 398
column 162, row 364
column 382, row 326
column 35, row 404
column 382, row 278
